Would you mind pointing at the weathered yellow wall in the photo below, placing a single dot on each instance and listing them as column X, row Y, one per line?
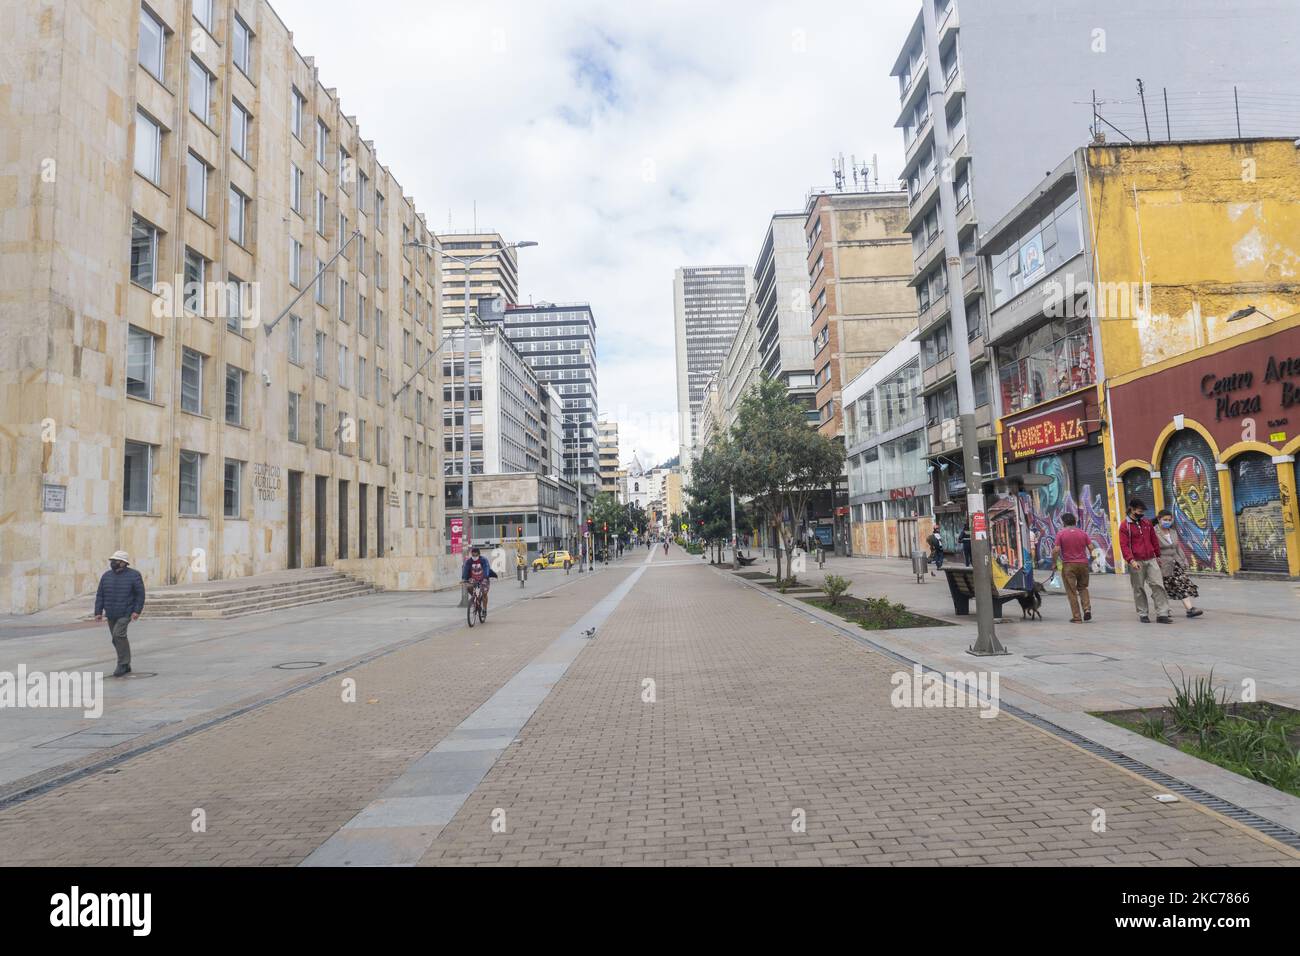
column 1185, row 235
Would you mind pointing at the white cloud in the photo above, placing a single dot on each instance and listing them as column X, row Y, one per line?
column 626, row 138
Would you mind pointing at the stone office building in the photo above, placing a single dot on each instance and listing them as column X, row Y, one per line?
column 178, row 174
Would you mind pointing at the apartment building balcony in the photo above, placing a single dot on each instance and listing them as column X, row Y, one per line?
column 932, row 251
column 944, row 437
column 949, row 23
column 937, row 311
column 912, row 151
column 908, row 97
column 921, row 204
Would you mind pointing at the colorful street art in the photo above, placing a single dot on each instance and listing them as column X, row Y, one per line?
column 1044, row 508
column 1192, row 494
column 1257, row 500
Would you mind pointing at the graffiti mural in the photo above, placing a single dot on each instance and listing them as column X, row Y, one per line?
column 1192, row 494
column 1257, row 501
column 1044, row 508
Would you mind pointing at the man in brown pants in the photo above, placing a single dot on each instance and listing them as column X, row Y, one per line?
column 1071, row 549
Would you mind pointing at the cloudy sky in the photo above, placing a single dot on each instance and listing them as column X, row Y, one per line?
column 627, row 138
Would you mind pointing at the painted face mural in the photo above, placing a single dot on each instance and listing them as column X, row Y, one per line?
column 1045, row 507
column 1191, row 493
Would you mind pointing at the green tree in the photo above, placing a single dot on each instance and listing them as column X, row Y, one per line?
column 709, row 510
column 778, row 461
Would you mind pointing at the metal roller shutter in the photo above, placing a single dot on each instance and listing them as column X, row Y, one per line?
column 1257, row 501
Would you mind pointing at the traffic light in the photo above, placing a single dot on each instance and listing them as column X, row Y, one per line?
column 519, row 531
column 605, row 527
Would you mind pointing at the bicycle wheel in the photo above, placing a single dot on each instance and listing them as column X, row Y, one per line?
column 470, row 609
column 482, row 614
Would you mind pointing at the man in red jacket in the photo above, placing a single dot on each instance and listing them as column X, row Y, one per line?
column 1141, row 549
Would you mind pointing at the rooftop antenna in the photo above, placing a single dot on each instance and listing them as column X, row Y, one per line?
column 875, row 168
column 837, row 173
column 853, row 165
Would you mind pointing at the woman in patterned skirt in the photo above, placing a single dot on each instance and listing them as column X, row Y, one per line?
column 1173, row 564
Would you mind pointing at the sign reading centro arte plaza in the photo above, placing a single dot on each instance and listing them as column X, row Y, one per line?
column 1049, row 430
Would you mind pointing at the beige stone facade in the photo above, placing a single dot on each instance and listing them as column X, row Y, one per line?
column 859, row 264
column 132, row 414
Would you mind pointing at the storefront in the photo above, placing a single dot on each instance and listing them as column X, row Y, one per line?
column 1062, row 441
column 1208, row 435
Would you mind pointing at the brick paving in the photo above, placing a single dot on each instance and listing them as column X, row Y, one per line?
column 276, row 782
column 760, row 713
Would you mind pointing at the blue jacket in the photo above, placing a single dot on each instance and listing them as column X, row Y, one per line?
column 487, row 568
column 120, row 594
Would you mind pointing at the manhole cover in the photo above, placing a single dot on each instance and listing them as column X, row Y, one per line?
column 1080, row 657
column 299, row 665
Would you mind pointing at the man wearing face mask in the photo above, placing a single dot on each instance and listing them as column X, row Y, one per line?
column 120, row 598
column 1141, row 549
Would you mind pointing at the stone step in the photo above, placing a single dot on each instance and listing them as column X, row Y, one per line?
column 238, row 597
column 218, row 598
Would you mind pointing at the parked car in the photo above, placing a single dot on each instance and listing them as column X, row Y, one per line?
column 552, row 559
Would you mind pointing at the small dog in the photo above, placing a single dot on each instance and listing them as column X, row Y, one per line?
column 1030, row 604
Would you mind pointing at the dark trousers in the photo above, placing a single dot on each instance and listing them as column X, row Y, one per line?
column 936, row 558
column 120, row 644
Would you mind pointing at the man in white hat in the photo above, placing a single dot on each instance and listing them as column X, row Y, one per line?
column 120, row 598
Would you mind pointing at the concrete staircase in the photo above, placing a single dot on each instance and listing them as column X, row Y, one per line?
column 253, row 595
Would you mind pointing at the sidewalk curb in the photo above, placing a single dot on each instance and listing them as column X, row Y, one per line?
column 1228, row 794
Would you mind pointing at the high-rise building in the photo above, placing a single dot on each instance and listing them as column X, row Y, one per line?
column 204, row 173
column 607, row 445
column 1018, row 94
column 505, row 428
column 558, row 341
column 493, row 277
column 861, row 306
column 708, row 304
column 783, row 319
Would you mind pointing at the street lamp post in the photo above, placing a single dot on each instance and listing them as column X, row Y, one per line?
column 466, row 261
column 986, row 642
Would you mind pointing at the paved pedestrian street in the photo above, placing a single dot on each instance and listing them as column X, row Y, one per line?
column 703, row 722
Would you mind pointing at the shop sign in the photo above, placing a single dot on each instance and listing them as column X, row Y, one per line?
column 1047, row 431
column 1236, row 394
column 457, row 529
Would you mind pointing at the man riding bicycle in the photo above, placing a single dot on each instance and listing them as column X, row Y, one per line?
column 477, row 572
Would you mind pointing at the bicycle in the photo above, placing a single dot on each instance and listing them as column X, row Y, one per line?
column 475, row 607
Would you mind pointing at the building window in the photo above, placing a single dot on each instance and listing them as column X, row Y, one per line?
column 238, row 215
column 196, row 185
column 296, row 109
column 295, row 263
column 203, row 13
column 294, row 400
column 144, row 253
column 188, row 500
column 381, row 453
column 343, row 366
column 295, row 188
column 200, row 91
column 362, row 450
column 239, row 123
column 341, row 431
column 363, row 377
column 320, row 282
column 379, row 327
column 379, row 210
column 363, row 324
column 363, row 183
column 380, row 280
column 234, row 304
column 320, row 425
column 192, row 381
column 320, row 354
column 322, row 139
column 233, row 485
column 242, row 52
column 343, row 299
column 196, row 274
column 153, row 44
column 320, row 213
column 148, row 148
column 137, row 478
column 139, row 363
column 295, row 340
column 234, row 395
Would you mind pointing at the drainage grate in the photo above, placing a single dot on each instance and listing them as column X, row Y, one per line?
column 1281, row 834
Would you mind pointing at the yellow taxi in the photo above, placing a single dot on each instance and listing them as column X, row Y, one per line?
column 552, row 559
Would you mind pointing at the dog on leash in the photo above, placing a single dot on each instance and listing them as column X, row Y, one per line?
column 1030, row 604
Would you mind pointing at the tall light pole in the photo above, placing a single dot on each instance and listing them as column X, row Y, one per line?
column 986, row 642
column 465, row 261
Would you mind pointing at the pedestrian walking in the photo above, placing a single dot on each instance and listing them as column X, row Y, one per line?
column 1071, row 550
column 120, row 598
column 1141, row 549
column 964, row 540
column 936, row 550
column 1173, row 564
